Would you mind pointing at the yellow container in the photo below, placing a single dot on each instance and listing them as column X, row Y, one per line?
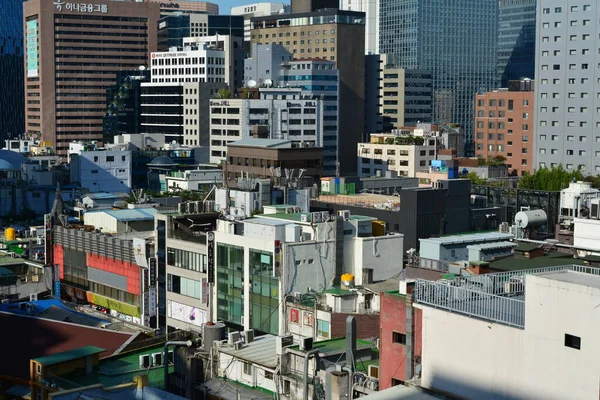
column 10, row 234
column 378, row 228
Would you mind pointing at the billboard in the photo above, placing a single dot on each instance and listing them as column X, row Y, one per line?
column 32, row 51
column 185, row 313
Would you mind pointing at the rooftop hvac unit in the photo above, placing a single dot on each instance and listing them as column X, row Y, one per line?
column 316, row 217
column 595, row 208
column 33, row 297
column 304, row 218
column 504, row 227
column 345, row 214
column 306, row 343
column 233, row 337
column 181, row 208
column 238, row 345
column 248, row 335
column 373, row 384
column 374, row 371
column 512, row 287
column 145, row 361
column 324, row 216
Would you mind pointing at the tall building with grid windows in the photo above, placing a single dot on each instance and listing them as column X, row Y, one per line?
column 567, row 98
column 12, row 123
column 74, row 51
column 516, row 40
column 455, row 40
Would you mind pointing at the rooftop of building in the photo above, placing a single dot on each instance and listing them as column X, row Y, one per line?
column 492, row 245
column 57, row 337
column 11, row 160
column 469, row 237
column 53, row 309
column 549, row 259
column 334, row 346
column 262, row 143
column 106, row 195
column 69, row 355
column 261, row 351
column 130, row 215
column 380, row 201
column 574, row 277
column 323, row 12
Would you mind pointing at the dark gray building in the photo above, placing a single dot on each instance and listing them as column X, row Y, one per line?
column 455, row 40
column 516, row 40
column 423, row 213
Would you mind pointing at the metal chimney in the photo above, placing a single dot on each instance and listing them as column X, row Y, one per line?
column 350, row 341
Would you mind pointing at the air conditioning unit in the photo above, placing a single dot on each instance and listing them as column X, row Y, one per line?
column 306, row 343
column 373, row 384
column 511, row 287
column 595, row 208
column 238, row 345
column 316, row 217
column 378, row 344
column 374, row 371
column 324, row 216
column 157, row 359
column 344, row 214
column 248, row 336
column 145, row 361
column 33, row 297
column 304, row 218
column 233, row 337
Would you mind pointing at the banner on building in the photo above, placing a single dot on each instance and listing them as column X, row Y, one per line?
column 152, row 302
column 57, row 280
column 210, row 244
column 139, row 251
column 152, row 267
column 185, row 313
column 32, row 48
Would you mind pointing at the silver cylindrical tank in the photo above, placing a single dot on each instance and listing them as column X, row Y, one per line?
column 531, row 219
column 212, row 333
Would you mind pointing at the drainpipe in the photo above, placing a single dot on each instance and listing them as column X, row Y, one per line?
column 306, row 358
column 166, row 357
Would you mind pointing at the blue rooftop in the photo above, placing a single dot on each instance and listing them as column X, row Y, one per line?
column 52, row 309
column 130, row 215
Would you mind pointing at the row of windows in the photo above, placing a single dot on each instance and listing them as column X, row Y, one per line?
column 188, row 61
column 501, row 114
column 580, row 167
column 500, row 137
column 184, row 286
column 558, row 10
column 500, row 103
column 499, row 125
column 569, row 152
column 302, row 33
column 572, row 38
column 570, row 138
column 186, row 260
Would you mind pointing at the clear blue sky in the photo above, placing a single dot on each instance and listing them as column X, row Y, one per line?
column 225, row 5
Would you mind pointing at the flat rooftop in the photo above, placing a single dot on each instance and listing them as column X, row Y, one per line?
column 469, row 237
column 363, row 200
column 577, row 278
column 261, row 351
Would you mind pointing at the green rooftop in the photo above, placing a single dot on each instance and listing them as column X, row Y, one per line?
column 337, row 291
column 526, row 246
column 553, row 259
column 336, row 345
column 69, row 355
column 118, row 369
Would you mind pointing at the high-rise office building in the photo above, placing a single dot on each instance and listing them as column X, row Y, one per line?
column 371, row 10
column 74, row 51
column 174, row 27
column 193, row 6
column 303, row 6
column 257, row 10
column 12, row 123
column 265, row 62
column 566, row 89
column 455, row 40
column 516, row 40
column 333, row 35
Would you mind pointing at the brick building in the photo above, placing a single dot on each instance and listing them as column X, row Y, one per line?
column 504, row 124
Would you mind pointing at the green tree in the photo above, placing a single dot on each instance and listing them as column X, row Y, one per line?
column 552, row 179
column 224, row 94
column 389, row 140
column 474, row 178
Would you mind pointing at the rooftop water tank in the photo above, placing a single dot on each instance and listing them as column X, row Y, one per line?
column 531, row 219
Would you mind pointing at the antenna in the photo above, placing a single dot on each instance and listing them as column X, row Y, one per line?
column 251, row 83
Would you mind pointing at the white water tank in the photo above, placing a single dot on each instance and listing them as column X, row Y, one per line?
column 530, row 219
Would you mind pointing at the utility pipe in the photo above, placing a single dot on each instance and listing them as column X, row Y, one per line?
column 306, row 357
column 166, row 357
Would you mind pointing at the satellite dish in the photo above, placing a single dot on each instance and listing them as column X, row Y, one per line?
column 251, row 83
column 268, row 82
column 142, row 68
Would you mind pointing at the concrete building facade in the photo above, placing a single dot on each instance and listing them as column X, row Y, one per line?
column 65, row 84
column 504, row 125
column 336, row 36
column 257, row 10
column 371, row 10
column 100, row 170
column 265, row 63
column 565, row 69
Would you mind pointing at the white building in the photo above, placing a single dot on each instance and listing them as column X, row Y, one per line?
column 371, row 10
column 250, row 11
column 138, row 219
column 532, row 337
column 198, row 61
column 232, row 50
column 281, row 254
column 195, row 179
column 405, row 154
column 100, row 170
column 285, row 111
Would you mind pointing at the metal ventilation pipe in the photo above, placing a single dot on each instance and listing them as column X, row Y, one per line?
column 166, row 357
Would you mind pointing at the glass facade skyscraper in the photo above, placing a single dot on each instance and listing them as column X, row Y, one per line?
column 455, row 40
column 516, row 40
column 11, row 70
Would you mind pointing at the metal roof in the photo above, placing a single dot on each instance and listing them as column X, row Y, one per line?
column 261, row 351
column 266, row 221
column 492, row 245
column 470, row 237
column 69, row 355
column 106, row 195
column 256, row 142
column 129, row 215
column 384, row 286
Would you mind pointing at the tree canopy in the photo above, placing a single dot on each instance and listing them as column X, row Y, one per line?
column 552, row 179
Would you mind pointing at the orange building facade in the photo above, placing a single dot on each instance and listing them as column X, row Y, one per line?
column 504, row 124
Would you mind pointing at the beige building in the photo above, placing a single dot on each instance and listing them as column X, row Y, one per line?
column 167, row 6
column 399, row 151
column 73, row 53
column 333, row 35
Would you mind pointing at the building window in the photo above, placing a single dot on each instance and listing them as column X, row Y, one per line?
column 247, row 368
column 323, row 329
column 398, row 337
column 573, row 342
